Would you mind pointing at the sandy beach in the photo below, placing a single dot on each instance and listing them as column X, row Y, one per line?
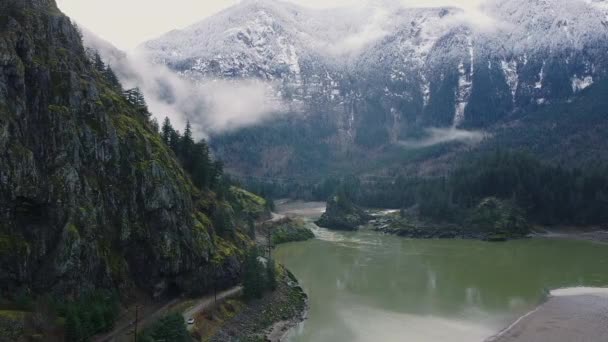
column 569, row 315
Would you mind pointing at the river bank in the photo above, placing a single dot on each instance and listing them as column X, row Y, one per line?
column 270, row 317
column 575, row 314
column 265, row 319
column 594, row 234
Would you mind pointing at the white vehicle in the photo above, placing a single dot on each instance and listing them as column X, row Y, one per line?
column 191, row 321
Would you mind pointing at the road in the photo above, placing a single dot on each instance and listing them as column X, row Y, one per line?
column 207, row 302
column 148, row 318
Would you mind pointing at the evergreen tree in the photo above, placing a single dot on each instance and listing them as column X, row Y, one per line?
column 170, row 328
column 166, row 131
column 186, row 147
column 98, row 322
column 154, row 124
column 73, row 326
column 136, row 98
column 218, row 172
column 269, row 203
column 112, row 78
column 253, row 276
column 174, row 141
column 271, row 275
column 201, row 165
column 98, row 62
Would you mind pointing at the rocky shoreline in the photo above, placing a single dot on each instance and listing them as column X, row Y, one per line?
column 267, row 319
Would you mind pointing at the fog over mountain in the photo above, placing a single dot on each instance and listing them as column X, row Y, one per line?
column 370, row 75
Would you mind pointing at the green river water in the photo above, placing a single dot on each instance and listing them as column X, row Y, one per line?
column 364, row 286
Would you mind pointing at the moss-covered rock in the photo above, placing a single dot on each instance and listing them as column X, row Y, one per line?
column 12, row 325
column 289, row 230
column 249, row 204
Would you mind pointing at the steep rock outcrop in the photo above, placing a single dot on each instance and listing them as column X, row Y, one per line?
column 89, row 195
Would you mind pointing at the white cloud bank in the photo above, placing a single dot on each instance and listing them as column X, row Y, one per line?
column 436, row 136
column 211, row 106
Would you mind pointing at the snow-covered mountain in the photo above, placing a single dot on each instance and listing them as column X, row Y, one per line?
column 375, row 75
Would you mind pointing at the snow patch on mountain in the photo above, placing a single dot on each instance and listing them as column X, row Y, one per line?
column 465, row 83
column 510, row 71
column 541, row 77
column 581, row 83
column 399, row 63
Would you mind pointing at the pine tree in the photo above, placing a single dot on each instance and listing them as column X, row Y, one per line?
column 253, row 276
column 201, row 165
column 166, row 131
column 98, row 322
column 186, row 147
column 98, row 63
column 174, row 141
column 154, row 124
column 218, row 172
column 271, row 275
column 136, row 98
column 73, row 326
column 111, row 77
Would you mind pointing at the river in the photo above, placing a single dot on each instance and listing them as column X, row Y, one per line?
column 365, row 286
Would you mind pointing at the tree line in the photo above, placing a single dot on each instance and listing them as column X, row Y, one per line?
column 259, row 275
column 548, row 194
column 194, row 156
column 89, row 315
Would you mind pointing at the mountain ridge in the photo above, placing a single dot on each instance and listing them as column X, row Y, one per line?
column 411, row 69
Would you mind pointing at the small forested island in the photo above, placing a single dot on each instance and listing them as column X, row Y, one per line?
column 492, row 220
column 342, row 214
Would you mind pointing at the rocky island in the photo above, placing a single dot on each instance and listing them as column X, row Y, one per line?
column 342, row 214
column 491, row 220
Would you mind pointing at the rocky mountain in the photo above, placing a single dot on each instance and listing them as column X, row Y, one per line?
column 358, row 80
column 90, row 196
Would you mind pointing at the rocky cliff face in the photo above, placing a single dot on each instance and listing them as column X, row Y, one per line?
column 89, row 195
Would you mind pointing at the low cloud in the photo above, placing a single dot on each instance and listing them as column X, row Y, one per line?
column 473, row 13
column 211, row 105
column 370, row 26
column 437, row 136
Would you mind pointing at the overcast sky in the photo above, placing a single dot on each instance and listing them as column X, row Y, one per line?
column 127, row 23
